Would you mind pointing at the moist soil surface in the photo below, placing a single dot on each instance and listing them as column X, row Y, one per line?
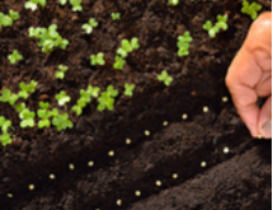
column 181, row 164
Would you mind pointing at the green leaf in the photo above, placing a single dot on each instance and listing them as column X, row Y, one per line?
column 62, row 122
column 5, row 139
column 134, row 43
column 62, row 98
column 122, row 52
column 59, row 75
column 115, row 16
column 164, row 77
column 111, row 91
column 31, row 6
column 77, row 109
column 63, row 2
column 207, row 25
column 14, row 57
column 129, row 89
column 119, row 63
column 14, row 15
column 44, row 123
column 125, row 44
column 20, row 107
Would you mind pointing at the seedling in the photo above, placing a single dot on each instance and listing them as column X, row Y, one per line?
column 63, row 2
column 5, row 139
column 20, row 107
column 115, row 16
column 27, row 89
column 48, row 38
column 173, row 2
column 106, row 100
column 251, row 10
column 221, row 24
column 129, row 89
column 183, row 43
column 8, row 96
column 119, row 62
column 14, row 57
column 94, row 91
column 164, row 77
column 4, row 124
column 27, row 118
column 76, row 5
column 33, row 4
column 61, row 121
column 7, row 20
column 44, row 114
column 88, row 27
column 127, row 47
column 97, row 59
column 62, row 69
column 62, row 98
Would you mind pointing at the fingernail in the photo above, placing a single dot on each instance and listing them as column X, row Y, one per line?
column 266, row 129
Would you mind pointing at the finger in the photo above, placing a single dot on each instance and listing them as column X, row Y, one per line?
column 263, row 89
column 264, row 124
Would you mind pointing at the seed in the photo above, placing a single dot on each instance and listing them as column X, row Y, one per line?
column 205, row 109
column 165, row 123
column 175, row 176
column 158, row 183
column 90, row 163
column 119, row 202
column 226, row 150
column 137, row 193
column 71, row 166
column 128, row 141
column 259, row 136
column 203, row 164
column 111, row 153
column 147, row 133
column 9, row 195
column 31, row 187
column 184, row 116
column 51, row 176
column 224, row 99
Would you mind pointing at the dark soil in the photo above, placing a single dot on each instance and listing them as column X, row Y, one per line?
column 240, row 179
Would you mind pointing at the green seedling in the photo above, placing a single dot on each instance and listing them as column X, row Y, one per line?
column 119, row 62
column 20, row 107
column 44, row 114
column 76, row 5
column 4, row 124
column 8, row 96
column 97, row 59
column 85, row 98
column 173, row 2
column 5, row 139
column 221, row 24
column 127, row 47
column 33, row 4
column 165, row 78
column 115, row 16
column 88, row 27
column 183, row 44
column 27, row 118
column 251, row 10
column 62, row 98
column 63, row 2
column 129, row 89
column 14, row 57
column 60, row 121
column 7, row 20
column 61, row 70
column 48, row 38
column 27, row 89
column 106, row 100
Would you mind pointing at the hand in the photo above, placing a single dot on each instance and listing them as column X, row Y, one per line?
column 249, row 77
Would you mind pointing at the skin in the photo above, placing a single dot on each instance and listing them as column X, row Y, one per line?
column 249, row 76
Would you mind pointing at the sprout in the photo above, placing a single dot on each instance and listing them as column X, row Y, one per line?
column 14, row 15
column 62, row 69
column 49, row 38
column 5, row 139
column 129, row 89
column 5, row 20
column 173, row 2
column 32, row 4
column 8, row 96
column 183, row 43
column 63, row 2
column 164, row 77
column 60, row 121
column 76, row 5
column 127, row 47
column 106, row 100
column 119, row 63
column 115, row 16
column 27, row 89
column 44, row 114
column 4, row 124
column 88, row 27
column 221, row 24
column 97, row 59
column 27, row 118
column 14, row 57
column 251, row 10
column 62, row 98
column 20, row 107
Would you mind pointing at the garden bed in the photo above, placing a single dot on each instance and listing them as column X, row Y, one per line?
column 172, row 161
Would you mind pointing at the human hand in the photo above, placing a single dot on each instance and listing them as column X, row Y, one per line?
column 249, row 77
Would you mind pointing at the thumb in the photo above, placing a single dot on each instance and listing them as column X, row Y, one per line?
column 264, row 123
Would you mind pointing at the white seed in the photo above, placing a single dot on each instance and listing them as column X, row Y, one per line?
column 71, row 166
column 52, row 176
column 128, row 141
column 137, row 193
column 90, row 163
column 205, row 109
column 203, row 164
column 31, row 187
column 158, row 183
column 165, row 123
column 147, row 133
column 111, row 153
column 224, row 99
column 259, row 136
column 226, row 150
column 184, row 116
column 175, row 176
column 119, row 202
column 9, row 195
